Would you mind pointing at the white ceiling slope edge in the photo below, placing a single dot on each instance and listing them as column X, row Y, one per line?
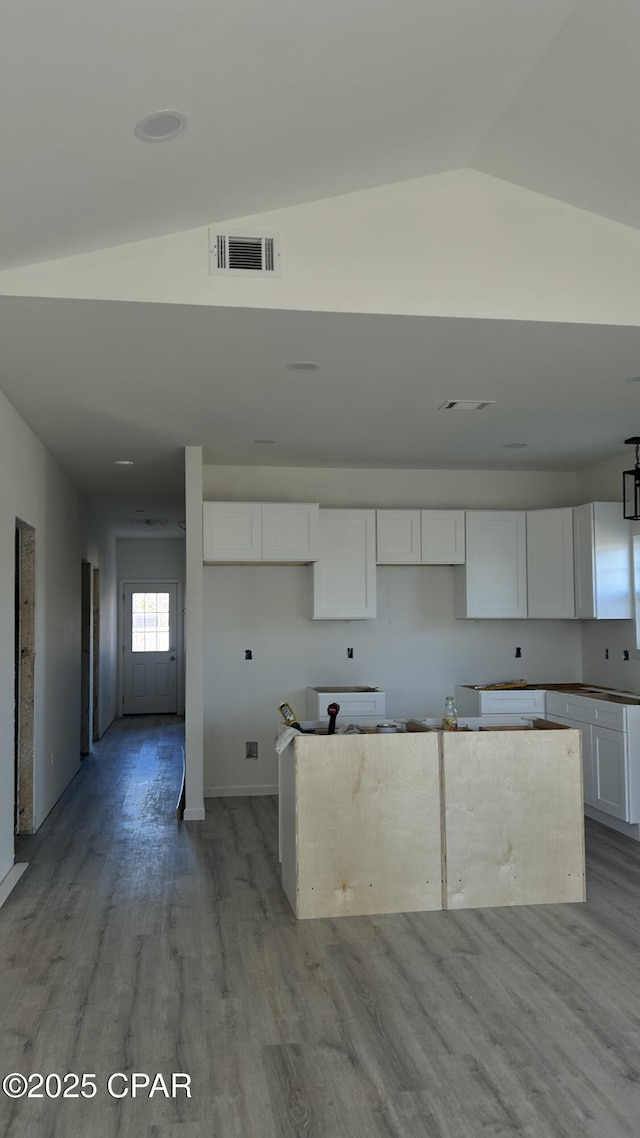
column 571, row 130
column 456, row 244
column 286, row 102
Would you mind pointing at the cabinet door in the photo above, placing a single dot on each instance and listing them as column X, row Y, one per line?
column 442, row 537
column 398, row 537
column 550, row 564
column 493, row 581
column 602, row 552
column 231, row 531
column 289, row 531
column 610, row 771
column 344, row 576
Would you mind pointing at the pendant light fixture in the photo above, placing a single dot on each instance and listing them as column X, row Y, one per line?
column 631, row 484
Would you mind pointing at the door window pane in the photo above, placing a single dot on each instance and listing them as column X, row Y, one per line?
column 150, row 622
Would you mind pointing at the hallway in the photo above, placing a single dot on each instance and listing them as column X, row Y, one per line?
column 134, row 944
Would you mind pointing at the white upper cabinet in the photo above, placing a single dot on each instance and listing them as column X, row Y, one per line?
column 289, row 531
column 442, row 537
column 344, row 576
column 398, row 537
column 550, row 563
column 420, row 537
column 602, row 551
column 254, row 531
column 231, row 531
column 493, row 581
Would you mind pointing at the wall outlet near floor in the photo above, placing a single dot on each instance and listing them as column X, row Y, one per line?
column 251, row 750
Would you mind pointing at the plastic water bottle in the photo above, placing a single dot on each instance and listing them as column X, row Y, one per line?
column 450, row 717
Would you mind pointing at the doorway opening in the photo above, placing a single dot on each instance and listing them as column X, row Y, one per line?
column 96, row 655
column 24, row 663
column 86, row 613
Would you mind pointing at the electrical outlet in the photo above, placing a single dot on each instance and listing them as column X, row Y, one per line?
column 518, row 653
column 251, row 750
column 350, row 653
column 625, row 654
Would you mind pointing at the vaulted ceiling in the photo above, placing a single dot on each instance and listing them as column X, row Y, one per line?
column 293, row 100
column 288, row 102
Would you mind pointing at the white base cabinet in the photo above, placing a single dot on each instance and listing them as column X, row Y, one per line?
column 610, row 751
column 344, row 576
column 511, row 701
column 260, row 531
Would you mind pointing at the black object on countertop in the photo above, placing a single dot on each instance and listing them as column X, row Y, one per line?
column 332, row 712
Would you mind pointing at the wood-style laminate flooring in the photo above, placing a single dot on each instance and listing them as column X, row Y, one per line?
column 133, row 943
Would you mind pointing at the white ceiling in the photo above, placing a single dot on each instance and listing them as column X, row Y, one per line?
column 287, row 102
column 100, row 380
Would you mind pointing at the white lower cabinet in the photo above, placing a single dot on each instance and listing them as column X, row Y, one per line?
column 610, row 751
column 344, row 576
column 609, row 758
column 472, row 701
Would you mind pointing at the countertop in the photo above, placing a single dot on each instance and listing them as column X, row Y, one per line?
column 595, row 691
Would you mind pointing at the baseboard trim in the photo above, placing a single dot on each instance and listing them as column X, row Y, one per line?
column 629, row 829
column 253, row 791
column 195, row 814
column 8, row 883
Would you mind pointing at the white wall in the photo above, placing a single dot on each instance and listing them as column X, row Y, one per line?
column 140, row 558
column 447, row 489
column 34, row 489
column 101, row 553
column 416, row 651
column 455, row 244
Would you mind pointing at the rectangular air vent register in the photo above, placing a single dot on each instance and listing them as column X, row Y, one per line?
column 248, row 255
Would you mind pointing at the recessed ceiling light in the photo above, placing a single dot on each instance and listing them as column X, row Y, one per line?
column 265, row 442
column 122, row 462
column 159, row 126
column 514, row 446
column 303, row 366
column 633, row 379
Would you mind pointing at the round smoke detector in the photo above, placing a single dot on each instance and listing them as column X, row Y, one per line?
column 160, row 125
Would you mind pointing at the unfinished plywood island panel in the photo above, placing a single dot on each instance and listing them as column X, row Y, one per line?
column 360, row 824
column 513, row 818
column 407, row 822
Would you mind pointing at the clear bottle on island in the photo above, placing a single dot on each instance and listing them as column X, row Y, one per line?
column 450, row 717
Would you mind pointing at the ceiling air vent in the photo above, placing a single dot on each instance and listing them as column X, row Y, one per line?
column 244, row 256
column 466, row 404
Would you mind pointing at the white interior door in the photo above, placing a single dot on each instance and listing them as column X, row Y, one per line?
column 149, row 656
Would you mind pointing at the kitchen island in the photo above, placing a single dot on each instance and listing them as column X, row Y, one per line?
column 432, row 820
